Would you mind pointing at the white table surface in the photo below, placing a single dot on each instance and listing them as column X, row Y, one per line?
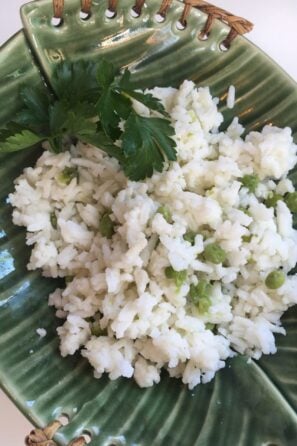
column 275, row 32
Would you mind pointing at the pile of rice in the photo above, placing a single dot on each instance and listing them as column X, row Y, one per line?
column 147, row 322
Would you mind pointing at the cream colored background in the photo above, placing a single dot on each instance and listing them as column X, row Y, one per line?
column 275, row 32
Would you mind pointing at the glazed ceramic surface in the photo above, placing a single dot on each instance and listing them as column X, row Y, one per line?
column 248, row 404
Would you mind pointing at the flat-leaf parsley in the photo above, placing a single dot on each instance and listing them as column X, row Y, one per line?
column 89, row 102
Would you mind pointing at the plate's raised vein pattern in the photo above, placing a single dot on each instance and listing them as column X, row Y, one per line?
column 245, row 405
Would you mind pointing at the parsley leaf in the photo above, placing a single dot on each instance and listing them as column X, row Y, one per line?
column 71, row 121
column 146, row 99
column 9, row 130
column 68, row 123
column 103, row 142
column 89, row 105
column 105, row 73
column 35, row 113
column 81, row 119
column 58, row 117
column 112, row 106
column 145, row 143
column 76, row 82
column 19, row 141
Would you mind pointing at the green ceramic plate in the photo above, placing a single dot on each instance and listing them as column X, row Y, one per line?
column 247, row 404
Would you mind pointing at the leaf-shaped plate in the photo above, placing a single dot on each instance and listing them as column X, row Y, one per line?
column 248, row 404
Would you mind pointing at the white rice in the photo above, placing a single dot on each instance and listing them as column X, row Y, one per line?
column 41, row 333
column 231, row 97
column 149, row 323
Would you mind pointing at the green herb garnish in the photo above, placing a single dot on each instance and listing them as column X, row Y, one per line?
column 146, row 143
column 88, row 103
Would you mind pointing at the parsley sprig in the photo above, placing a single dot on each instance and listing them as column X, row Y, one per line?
column 89, row 104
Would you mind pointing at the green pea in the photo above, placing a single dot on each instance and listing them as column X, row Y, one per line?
column 275, row 280
column 68, row 279
column 179, row 277
column 170, row 272
column 190, row 237
column 163, row 210
column 251, row 182
column 106, row 226
column 272, row 199
column 97, row 331
column 53, row 220
column 214, row 253
column 247, row 238
column 291, row 201
column 67, row 175
column 200, row 291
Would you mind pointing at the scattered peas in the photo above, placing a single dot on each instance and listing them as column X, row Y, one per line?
column 291, row 201
column 106, row 226
column 67, row 175
column 275, row 280
column 251, row 182
column 247, row 238
column 163, row 210
column 179, row 277
column 53, row 220
column 214, row 253
column 272, row 199
column 68, row 279
column 190, row 237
